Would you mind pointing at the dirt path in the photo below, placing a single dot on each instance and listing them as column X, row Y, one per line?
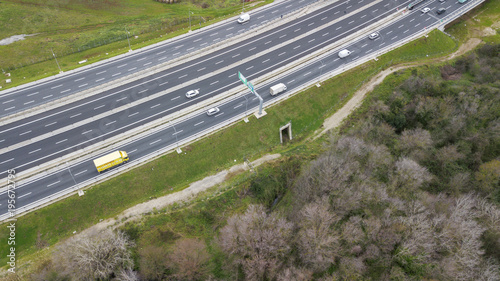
column 336, row 119
column 136, row 212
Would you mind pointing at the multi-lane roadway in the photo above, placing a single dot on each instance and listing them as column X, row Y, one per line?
column 236, row 106
column 42, row 92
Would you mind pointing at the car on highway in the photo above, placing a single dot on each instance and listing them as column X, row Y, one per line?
column 374, row 35
column 192, row 93
column 425, row 10
column 213, row 111
column 344, row 53
column 440, row 11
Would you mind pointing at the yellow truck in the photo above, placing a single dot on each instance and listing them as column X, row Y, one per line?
column 108, row 161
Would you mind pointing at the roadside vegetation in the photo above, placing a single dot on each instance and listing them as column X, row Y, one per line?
column 94, row 30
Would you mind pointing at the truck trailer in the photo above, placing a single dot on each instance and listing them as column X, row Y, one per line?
column 108, row 161
column 276, row 89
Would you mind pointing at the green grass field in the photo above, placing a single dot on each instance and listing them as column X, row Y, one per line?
column 473, row 26
column 174, row 172
column 94, row 30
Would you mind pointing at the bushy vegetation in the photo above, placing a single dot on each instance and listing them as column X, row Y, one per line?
column 407, row 189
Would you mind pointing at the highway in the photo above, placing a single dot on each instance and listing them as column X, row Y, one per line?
column 236, row 106
column 82, row 79
column 96, row 120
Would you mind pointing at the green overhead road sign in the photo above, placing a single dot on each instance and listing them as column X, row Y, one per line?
column 242, row 78
column 250, row 86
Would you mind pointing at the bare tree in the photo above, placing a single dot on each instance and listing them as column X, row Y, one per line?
column 126, row 275
column 352, row 268
column 409, row 175
column 352, row 231
column 317, row 241
column 414, row 143
column 153, row 262
column 259, row 242
column 94, row 254
column 190, row 258
column 295, row 274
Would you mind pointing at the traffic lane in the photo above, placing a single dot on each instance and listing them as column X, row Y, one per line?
column 99, row 104
column 43, row 90
column 96, row 133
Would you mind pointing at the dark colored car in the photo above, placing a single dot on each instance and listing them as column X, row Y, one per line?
column 440, row 11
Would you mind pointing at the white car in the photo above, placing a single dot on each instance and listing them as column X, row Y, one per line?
column 213, row 111
column 192, row 93
column 425, row 10
column 374, row 35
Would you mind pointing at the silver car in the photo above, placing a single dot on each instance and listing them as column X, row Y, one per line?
column 374, row 35
column 192, row 93
column 213, row 111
